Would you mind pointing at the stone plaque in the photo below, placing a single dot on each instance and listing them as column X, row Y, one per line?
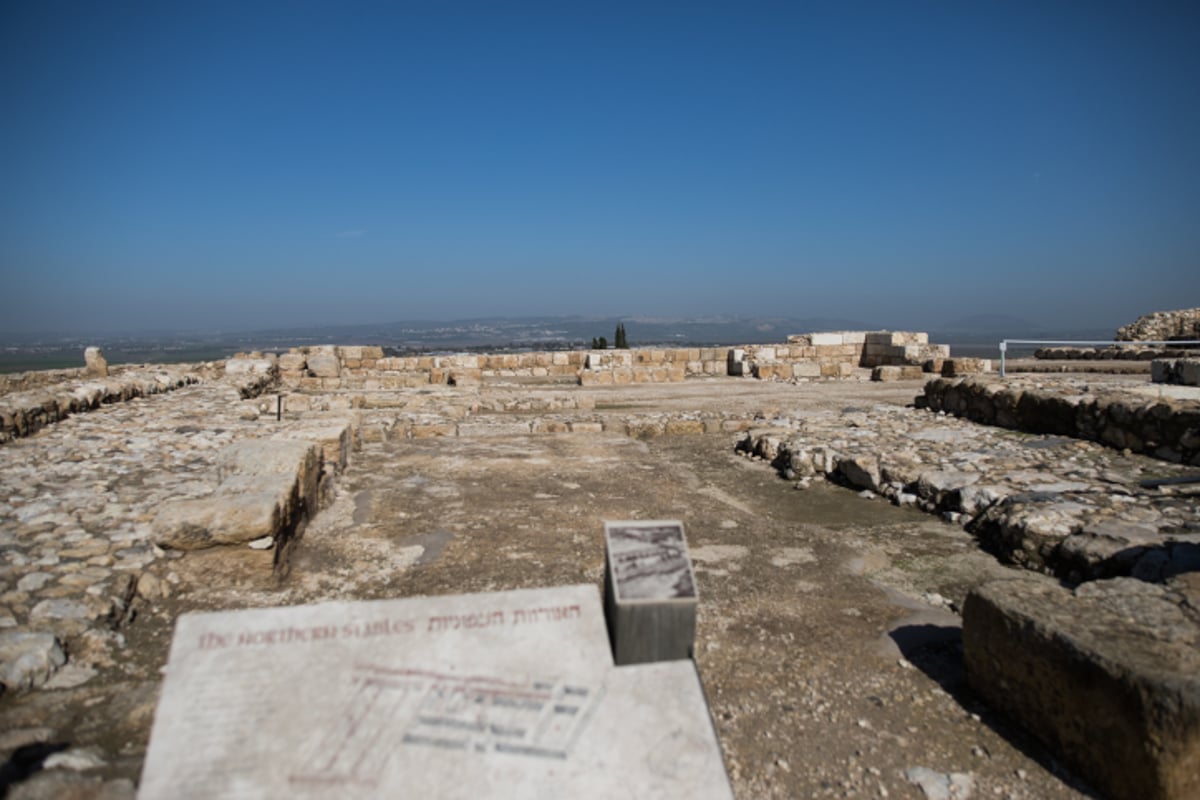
column 650, row 591
column 506, row 694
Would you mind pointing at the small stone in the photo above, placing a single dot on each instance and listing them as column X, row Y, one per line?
column 79, row 759
column 34, row 581
column 71, row 676
column 28, row 660
column 265, row 543
column 58, row 608
column 151, row 587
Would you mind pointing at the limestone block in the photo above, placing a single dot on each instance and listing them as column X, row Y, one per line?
column 844, row 370
column 1162, row 370
column 350, row 353
column 825, row 339
column 1107, row 676
column 684, row 427
column 477, row 430
column 954, row 367
column 1188, row 370
column 95, row 364
column 324, row 365
column 885, row 374
column 433, row 430
column 249, row 366
column 226, row 518
column 585, row 427
column 861, row 472
column 465, row 376
column 693, row 368
column 677, row 373
column 334, row 437
column 806, row 370
column 765, row 353
column 299, row 461
column 800, row 338
column 292, row 362
column 372, row 352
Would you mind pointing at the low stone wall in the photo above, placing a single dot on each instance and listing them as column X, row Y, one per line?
column 814, row 355
column 25, row 413
column 1114, row 353
column 1165, row 429
column 36, row 379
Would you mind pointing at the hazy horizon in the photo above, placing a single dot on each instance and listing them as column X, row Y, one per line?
column 248, row 166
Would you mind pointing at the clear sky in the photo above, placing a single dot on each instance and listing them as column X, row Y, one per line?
column 250, row 164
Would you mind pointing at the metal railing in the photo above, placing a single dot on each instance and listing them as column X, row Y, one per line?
column 1004, row 343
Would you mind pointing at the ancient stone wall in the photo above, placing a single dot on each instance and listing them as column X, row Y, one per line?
column 25, row 412
column 1159, row 427
column 836, row 354
column 1162, row 326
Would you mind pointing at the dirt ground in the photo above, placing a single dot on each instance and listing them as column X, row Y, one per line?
column 827, row 643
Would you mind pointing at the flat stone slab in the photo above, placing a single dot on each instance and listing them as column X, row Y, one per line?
column 505, row 694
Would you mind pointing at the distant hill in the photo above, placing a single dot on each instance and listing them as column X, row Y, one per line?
column 46, row 351
column 990, row 323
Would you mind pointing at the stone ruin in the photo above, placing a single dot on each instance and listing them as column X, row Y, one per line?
column 1162, row 326
column 1130, row 553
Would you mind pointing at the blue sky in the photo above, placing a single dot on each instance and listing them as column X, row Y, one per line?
column 253, row 164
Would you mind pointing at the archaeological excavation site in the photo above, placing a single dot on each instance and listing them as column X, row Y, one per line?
column 848, row 564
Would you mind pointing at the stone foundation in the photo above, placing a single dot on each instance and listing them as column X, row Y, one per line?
column 1163, row 428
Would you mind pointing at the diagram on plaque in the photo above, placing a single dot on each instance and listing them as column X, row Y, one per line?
column 649, row 560
column 389, row 708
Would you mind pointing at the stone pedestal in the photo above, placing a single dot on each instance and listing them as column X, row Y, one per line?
column 649, row 591
column 505, row 694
